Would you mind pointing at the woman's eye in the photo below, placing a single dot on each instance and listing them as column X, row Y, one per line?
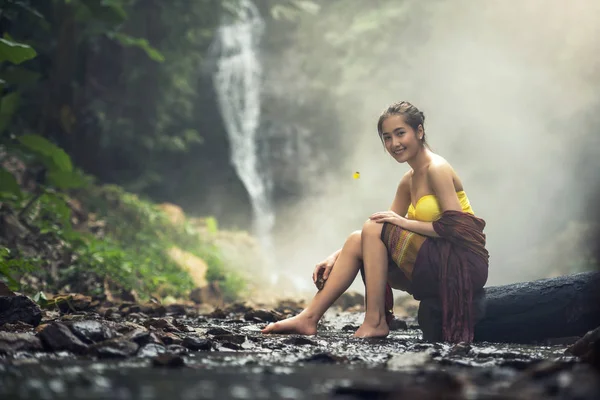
column 386, row 138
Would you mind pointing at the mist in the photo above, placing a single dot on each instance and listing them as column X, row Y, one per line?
column 509, row 91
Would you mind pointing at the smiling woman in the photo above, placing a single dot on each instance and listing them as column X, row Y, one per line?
column 429, row 243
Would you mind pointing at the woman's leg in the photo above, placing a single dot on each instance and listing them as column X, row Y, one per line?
column 375, row 259
column 342, row 275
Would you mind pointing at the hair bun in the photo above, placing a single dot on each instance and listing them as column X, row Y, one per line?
column 422, row 115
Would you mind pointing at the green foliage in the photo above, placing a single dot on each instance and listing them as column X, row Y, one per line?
column 8, row 105
column 143, row 44
column 14, row 52
column 8, row 184
column 11, row 267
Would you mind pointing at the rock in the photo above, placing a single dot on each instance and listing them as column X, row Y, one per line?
column 209, row 294
column 143, row 337
column 398, row 324
column 237, row 339
column 587, row 348
column 218, row 314
column 170, row 338
column 263, row 316
column 324, row 358
column 56, row 337
column 238, row 308
column 16, row 327
column 5, row 291
column 459, row 350
column 349, row 300
column 232, row 346
column 218, row 331
column 350, row 328
column 168, row 360
column 72, row 302
column 196, row 343
column 399, row 362
column 14, row 342
column 161, row 324
column 182, row 327
column 176, row 349
column 90, row 331
column 151, row 350
column 299, row 341
column 19, row 308
column 176, row 309
column 149, row 309
column 114, row 348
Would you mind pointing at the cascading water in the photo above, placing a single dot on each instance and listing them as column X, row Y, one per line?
column 237, row 80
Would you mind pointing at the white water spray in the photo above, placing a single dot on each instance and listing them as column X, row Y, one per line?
column 237, row 81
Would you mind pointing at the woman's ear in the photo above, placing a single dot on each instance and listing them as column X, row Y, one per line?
column 420, row 132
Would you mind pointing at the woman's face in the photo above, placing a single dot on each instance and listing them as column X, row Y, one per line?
column 400, row 139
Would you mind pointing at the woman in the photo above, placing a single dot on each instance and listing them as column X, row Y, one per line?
column 429, row 243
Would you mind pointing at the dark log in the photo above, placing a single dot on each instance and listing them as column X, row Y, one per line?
column 528, row 312
column 543, row 309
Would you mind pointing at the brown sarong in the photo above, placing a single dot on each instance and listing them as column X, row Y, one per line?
column 452, row 267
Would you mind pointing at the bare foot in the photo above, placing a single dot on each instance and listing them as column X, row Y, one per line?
column 378, row 329
column 300, row 324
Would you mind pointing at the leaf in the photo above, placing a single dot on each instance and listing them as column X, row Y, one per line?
column 19, row 76
column 211, row 225
column 15, row 52
column 66, row 179
column 141, row 43
column 53, row 156
column 8, row 183
column 8, row 106
column 41, row 299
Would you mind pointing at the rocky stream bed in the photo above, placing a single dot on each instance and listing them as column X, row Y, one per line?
column 91, row 350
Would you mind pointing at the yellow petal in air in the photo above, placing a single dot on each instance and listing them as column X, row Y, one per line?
column 356, row 175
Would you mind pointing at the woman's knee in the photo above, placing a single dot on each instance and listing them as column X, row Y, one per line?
column 353, row 241
column 372, row 229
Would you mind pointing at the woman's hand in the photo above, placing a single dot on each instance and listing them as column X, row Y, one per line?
column 325, row 266
column 388, row 216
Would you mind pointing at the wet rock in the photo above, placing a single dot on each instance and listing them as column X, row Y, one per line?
column 398, row 325
column 137, row 316
column 161, row 324
column 231, row 346
column 349, row 300
column 114, row 348
column 176, row 309
column 169, row 338
column 459, row 350
column 299, row 341
column 72, row 302
column 90, row 331
column 324, row 358
column 218, row 331
column 16, row 327
column 14, row 342
column 237, row 339
column 403, row 361
column 5, row 291
column 218, row 314
column 19, row 308
column 587, row 348
column 350, row 328
column 196, row 343
column 151, row 350
column 168, row 360
column 150, row 309
column 56, row 337
column 238, row 308
column 176, row 349
column 143, row 337
column 263, row 316
column 182, row 327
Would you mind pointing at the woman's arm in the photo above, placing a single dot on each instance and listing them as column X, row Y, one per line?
column 402, row 199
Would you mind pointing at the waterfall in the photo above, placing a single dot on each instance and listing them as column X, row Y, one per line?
column 237, row 81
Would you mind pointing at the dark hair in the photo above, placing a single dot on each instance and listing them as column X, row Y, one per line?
column 412, row 116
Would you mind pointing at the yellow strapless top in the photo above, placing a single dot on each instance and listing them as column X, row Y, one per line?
column 428, row 208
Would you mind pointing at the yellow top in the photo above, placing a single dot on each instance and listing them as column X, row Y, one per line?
column 428, row 207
